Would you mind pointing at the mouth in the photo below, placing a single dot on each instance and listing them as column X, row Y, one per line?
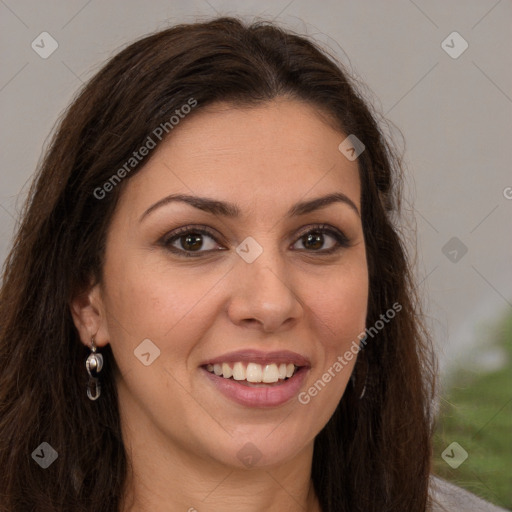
column 256, row 379
column 254, row 374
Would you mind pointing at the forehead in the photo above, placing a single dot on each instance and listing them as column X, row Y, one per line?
column 264, row 157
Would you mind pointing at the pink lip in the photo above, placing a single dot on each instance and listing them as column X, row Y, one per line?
column 257, row 356
column 267, row 396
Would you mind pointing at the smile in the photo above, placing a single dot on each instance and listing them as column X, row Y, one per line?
column 257, row 379
column 254, row 372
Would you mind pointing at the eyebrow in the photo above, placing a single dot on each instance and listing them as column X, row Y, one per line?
column 231, row 210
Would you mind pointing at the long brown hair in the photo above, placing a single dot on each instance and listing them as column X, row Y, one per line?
column 373, row 454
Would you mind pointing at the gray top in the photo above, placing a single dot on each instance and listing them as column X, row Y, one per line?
column 451, row 498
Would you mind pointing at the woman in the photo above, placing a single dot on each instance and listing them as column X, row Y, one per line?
column 207, row 306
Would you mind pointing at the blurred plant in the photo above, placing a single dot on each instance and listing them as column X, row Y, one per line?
column 476, row 412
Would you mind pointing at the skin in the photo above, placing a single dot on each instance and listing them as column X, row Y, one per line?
column 181, row 435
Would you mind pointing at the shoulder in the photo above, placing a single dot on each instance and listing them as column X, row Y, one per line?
column 447, row 497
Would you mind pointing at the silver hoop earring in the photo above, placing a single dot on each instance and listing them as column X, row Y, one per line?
column 93, row 365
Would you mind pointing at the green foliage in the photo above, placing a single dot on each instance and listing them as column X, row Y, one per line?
column 477, row 413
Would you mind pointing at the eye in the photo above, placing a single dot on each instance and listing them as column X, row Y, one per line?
column 189, row 240
column 314, row 238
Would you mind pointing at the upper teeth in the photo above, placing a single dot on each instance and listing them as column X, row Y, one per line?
column 254, row 372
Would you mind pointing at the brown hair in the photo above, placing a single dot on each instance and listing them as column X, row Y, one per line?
column 373, row 454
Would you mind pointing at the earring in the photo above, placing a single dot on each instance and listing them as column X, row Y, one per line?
column 94, row 364
column 353, row 381
column 364, row 386
column 353, row 376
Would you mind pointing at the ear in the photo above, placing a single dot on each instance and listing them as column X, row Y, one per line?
column 88, row 312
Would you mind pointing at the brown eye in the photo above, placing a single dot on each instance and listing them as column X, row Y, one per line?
column 190, row 241
column 314, row 239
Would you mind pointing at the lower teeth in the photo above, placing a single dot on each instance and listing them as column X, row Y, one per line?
column 258, row 384
column 255, row 384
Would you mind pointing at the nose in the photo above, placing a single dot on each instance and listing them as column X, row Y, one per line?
column 263, row 294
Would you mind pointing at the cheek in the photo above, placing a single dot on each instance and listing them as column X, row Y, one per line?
column 340, row 305
column 155, row 302
column 339, row 312
column 173, row 310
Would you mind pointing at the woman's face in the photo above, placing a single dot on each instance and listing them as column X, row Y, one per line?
column 266, row 287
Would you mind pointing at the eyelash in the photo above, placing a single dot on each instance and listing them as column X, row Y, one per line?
column 167, row 240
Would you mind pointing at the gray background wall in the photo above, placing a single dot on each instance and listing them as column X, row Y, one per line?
column 454, row 112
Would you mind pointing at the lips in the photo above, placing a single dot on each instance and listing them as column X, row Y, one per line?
column 257, row 379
